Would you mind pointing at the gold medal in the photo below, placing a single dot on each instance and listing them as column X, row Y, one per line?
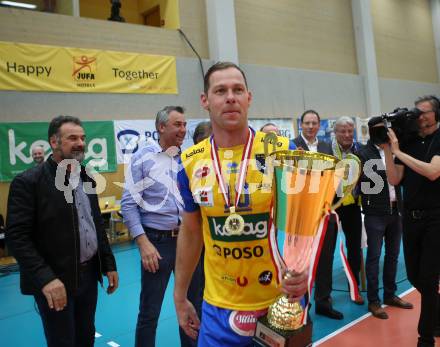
column 234, row 223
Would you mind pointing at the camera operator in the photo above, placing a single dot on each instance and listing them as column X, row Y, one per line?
column 417, row 168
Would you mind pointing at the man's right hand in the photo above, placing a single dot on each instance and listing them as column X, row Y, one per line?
column 187, row 317
column 149, row 254
column 55, row 294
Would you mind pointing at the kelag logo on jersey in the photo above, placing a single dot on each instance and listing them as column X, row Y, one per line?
column 255, row 228
column 260, row 161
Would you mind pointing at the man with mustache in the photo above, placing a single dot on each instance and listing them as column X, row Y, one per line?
column 152, row 206
column 55, row 231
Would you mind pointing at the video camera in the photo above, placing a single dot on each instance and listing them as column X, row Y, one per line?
column 401, row 120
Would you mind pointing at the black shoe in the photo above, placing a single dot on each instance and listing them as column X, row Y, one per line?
column 398, row 302
column 437, row 331
column 377, row 311
column 329, row 312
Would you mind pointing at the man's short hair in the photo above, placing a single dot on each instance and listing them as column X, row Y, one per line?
column 164, row 114
column 57, row 122
column 202, row 131
column 312, row 112
column 35, row 147
column 344, row 120
column 434, row 101
column 221, row 65
column 268, row 124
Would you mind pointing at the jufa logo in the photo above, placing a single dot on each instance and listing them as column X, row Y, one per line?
column 255, row 228
column 84, row 68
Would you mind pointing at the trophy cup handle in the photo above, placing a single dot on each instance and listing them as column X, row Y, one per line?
column 348, row 188
column 268, row 139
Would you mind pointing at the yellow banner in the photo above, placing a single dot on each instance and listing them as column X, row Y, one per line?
column 60, row 69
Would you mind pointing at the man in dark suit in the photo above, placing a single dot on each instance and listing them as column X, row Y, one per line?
column 307, row 140
column 55, row 231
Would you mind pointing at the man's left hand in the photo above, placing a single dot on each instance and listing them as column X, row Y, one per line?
column 113, row 281
column 295, row 285
column 394, row 142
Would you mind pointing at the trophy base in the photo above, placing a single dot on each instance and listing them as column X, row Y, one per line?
column 267, row 336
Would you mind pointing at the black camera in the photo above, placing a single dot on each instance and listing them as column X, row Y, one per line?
column 401, row 120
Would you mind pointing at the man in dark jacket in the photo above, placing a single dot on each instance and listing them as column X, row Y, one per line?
column 308, row 141
column 382, row 206
column 55, row 231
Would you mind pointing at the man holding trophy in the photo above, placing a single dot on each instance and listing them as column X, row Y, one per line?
column 228, row 207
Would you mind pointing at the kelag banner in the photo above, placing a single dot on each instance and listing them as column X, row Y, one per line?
column 17, row 140
column 59, row 69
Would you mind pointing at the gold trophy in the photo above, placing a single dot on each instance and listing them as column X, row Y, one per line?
column 304, row 186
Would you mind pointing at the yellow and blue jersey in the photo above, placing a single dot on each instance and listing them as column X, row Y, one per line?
column 239, row 269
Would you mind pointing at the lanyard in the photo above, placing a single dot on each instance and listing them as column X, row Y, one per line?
column 242, row 173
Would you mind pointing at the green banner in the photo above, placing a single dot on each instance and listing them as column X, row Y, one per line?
column 18, row 139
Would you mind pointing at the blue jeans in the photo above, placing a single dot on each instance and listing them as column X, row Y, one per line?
column 379, row 228
column 153, row 287
column 75, row 325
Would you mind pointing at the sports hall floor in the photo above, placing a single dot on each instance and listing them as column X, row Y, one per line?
column 20, row 325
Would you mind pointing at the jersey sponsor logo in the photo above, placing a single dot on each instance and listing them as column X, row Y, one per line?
column 194, row 151
column 228, row 279
column 238, row 252
column 265, row 278
column 244, row 322
column 255, row 228
column 264, row 187
column 260, row 161
column 204, row 197
column 202, row 172
column 232, row 167
column 242, row 281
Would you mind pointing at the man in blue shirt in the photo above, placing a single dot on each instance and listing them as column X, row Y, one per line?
column 152, row 207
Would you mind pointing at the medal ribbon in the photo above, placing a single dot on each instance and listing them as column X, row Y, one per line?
column 242, row 173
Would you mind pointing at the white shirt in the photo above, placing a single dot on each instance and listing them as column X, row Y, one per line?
column 390, row 187
column 313, row 146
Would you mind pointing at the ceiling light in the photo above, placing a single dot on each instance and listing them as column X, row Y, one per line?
column 18, row 4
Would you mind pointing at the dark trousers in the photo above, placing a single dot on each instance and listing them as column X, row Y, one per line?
column 75, row 325
column 380, row 228
column 153, row 287
column 421, row 247
column 351, row 220
column 324, row 271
